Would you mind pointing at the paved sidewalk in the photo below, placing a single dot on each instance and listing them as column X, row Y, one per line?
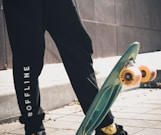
column 138, row 110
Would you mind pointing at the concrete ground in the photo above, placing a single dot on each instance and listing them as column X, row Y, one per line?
column 139, row 110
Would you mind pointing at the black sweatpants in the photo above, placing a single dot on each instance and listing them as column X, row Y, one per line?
column 27, row 21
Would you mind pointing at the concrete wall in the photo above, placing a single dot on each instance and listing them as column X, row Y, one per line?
column 2, row 37
column 112, row 25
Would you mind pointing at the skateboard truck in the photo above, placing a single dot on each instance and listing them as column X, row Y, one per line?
column 131, row 74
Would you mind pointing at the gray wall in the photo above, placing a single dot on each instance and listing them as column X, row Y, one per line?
column 2, row 37
column 112, row 25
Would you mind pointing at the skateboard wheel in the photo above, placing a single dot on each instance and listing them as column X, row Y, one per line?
column 148, row 74
column 130, row 76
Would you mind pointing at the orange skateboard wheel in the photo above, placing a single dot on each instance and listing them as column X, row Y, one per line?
column 148, row 74
column 130, row 76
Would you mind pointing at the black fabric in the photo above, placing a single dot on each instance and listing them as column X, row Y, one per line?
column 37, row 133
column 26, row 24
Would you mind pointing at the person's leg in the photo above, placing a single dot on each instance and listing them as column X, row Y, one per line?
column 75, row 48
column 26, row 34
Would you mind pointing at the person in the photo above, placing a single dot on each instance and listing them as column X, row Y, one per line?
column 27, row 21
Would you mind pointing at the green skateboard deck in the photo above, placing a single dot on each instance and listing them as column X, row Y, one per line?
column 107, row 94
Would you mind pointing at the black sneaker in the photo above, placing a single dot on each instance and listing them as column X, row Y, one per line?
column 38, row 133
column 114, row 129
column 35, row 129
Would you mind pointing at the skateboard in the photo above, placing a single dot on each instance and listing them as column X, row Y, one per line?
column 124, row 73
